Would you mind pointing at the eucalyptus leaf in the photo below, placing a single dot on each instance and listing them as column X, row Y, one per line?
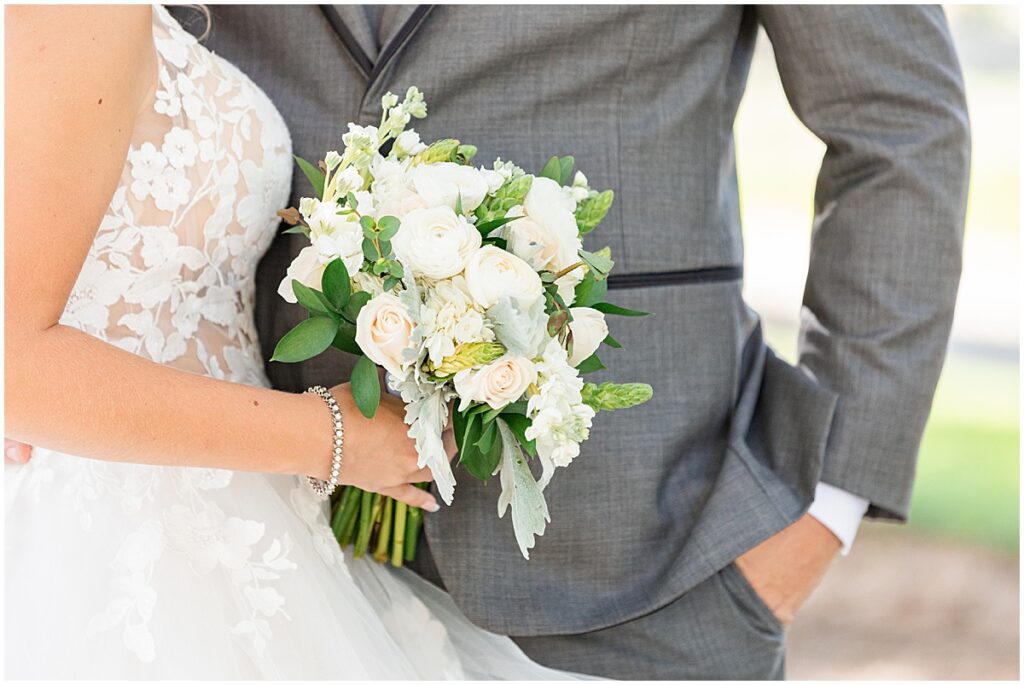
column 388, row 226
column 308, row 339
column 598, row 264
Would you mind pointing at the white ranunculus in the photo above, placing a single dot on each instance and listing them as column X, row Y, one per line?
column 443, row 183
column 547, row 236
column 392, row 189
column 384, row 331
column 492, row 272
column 435, row 242
column 498, row 384
column 588, row 329
column 307, row 269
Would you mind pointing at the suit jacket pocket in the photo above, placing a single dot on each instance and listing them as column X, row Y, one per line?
column 748, row 603
column 781, row 426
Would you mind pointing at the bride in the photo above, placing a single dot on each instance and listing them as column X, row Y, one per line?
column 160, row 530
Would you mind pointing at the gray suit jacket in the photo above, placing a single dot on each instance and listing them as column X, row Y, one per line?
column 730, row 449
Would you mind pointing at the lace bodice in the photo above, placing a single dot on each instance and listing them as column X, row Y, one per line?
column 170, row 275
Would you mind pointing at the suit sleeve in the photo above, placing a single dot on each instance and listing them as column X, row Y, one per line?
column 882, row 87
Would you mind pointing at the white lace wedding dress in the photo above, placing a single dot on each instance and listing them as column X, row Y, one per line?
column 118, row 571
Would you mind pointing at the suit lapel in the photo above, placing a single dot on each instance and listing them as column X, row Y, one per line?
column 398, row 25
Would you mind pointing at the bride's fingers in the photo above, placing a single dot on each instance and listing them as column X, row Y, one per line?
column 449, row 443
column 423, row 475
column 16, row 452
column 412, row 496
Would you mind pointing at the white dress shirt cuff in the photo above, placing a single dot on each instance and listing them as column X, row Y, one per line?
column 839, row 511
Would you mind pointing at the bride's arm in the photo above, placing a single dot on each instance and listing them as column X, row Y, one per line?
column 75, row 79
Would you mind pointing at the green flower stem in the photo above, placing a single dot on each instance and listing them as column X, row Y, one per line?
column 412, row 531
column 337, row 516
column 380, row 552
column 398, row 546
column 365, row 524
column 349, row 514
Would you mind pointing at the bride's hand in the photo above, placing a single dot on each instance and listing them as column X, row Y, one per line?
column 379, row 455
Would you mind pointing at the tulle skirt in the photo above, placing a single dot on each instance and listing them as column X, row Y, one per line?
column 118, row 571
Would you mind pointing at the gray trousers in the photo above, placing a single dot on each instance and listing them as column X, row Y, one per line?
column 718, row 630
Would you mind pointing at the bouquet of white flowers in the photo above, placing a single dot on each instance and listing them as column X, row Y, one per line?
column 465, row 284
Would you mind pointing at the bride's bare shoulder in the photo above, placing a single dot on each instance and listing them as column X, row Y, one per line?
column 52, row 46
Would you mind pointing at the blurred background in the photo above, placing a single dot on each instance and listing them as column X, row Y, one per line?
column 937, row 598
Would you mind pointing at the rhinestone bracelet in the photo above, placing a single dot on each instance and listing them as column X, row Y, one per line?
column 323, row 489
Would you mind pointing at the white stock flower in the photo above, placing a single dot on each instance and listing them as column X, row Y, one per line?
column 498, row 384
column 408, row 143
column 384, row 331
column 435, row 242
column 307, row 269
column 334, row 235
column 449, row 317
column 492, row 272
column 444, row 182
column 588, row 329
column 560, row 419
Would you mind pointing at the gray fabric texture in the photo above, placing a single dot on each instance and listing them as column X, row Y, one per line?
column 665, row 496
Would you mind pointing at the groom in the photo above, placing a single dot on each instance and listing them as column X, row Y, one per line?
column 692, row 528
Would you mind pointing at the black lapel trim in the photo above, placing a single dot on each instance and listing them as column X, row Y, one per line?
column 715, row 274
column 349, row 42
column 395, row 44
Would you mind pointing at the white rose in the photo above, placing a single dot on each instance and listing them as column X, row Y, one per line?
column 498, row 384
column 443, row 183
column 547, row 237
column 306, row 269
column 435, row 242
column 588, row 329
column 492, row 272
column 384, row 331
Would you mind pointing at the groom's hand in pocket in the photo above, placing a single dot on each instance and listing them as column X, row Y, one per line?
column 786, row 568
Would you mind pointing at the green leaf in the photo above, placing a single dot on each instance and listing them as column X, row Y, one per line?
column 351, row 201
column 609, row 396
column 368, row 223
column 313, row 300
column 552, row 170
column 336, row 284
column 599, row 264
column 616, row 310
column 485, row 227
column 315, row 176
column 511, row 193
column 590, row 291
column 518, row 407
column 467, row 430
column 612, row 342
column 297, row 228
column 388, row 226
column 518, row 423
column 591, row 211
column 590, row 364
column 486, row 440
column 483, row 458
column 366, row 387
column 565, row 174
column 351, row 309
column 308, row 339
column 370, row 250
column 390, row 282
column 345, row 340
column 458, row 204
